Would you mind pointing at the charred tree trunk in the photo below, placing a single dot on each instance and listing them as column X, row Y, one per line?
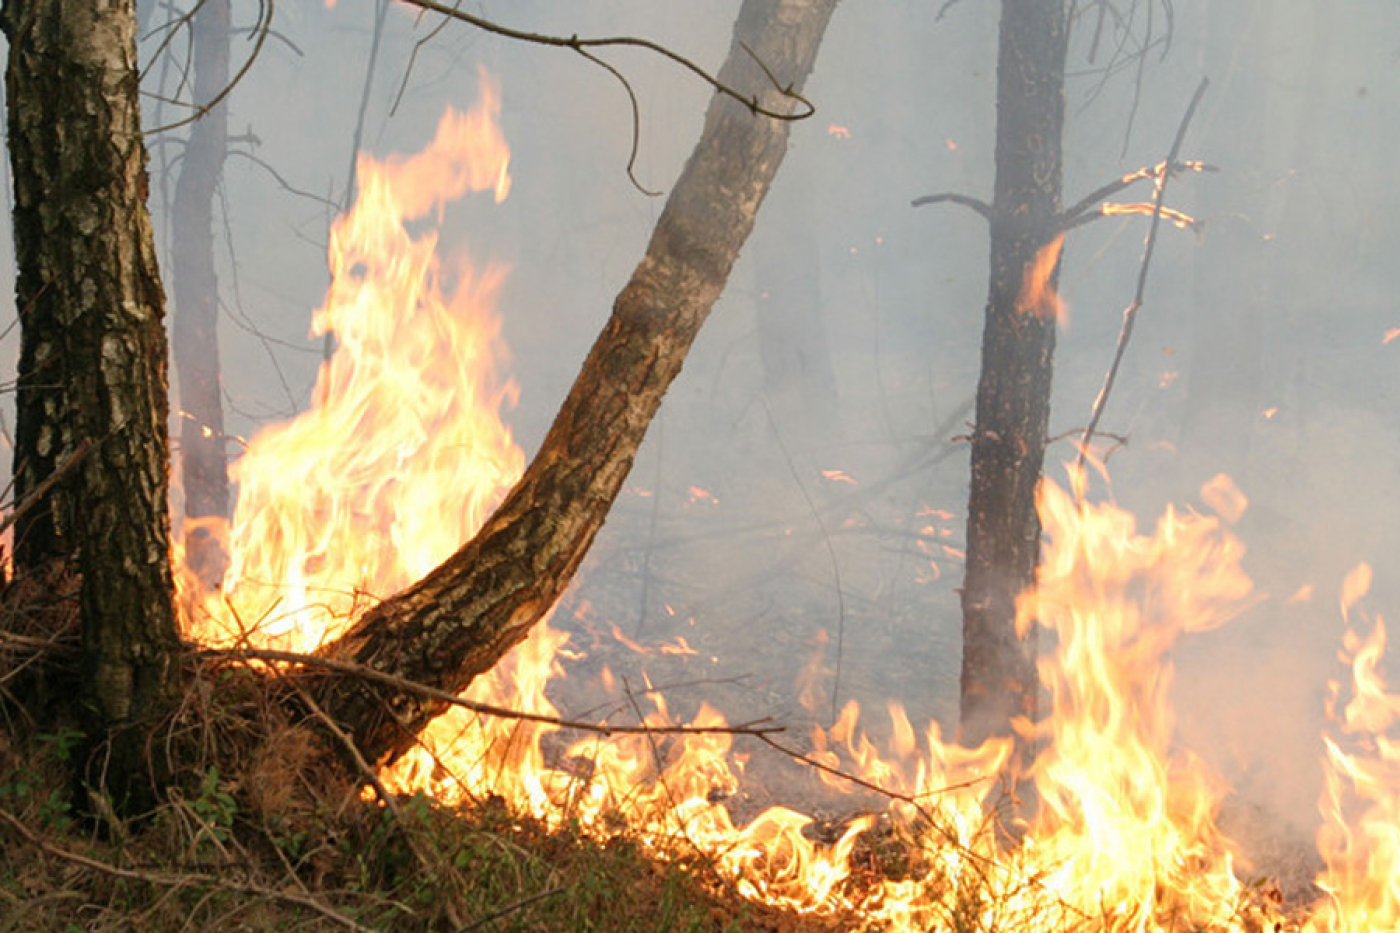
column 1013, row 396
column 203, row 464
column 91, row 402
column 459, row 620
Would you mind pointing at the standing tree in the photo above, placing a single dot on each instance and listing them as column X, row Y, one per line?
column 999, row 679
column 94, row 374
column 458, row 621
column 203, row 467
column 90, row 446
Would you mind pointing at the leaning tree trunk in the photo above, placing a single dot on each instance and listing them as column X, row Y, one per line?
column 91, row 403
column 459, row 620
column 203, row 464
column 999, row 679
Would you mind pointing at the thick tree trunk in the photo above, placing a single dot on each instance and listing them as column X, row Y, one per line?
column 459, row 620
column 92, row 356
column 203, row 464
column 1013, row 397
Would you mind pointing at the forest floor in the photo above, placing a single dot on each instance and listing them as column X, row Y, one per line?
column 261, row 827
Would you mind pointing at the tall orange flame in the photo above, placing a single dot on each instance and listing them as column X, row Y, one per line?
column 1360, row 835
column 405, row 452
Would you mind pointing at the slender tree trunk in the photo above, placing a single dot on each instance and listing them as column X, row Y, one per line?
column 203, row 464
column 1013, row 396
column 92, row 358
column 459, row 620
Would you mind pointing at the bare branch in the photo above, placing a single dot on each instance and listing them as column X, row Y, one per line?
column 1130, row 314
column 580, row 45
column 37, row 494
column 981, row 207
column 1071, row 217
column 261, row 30
column 755, row 727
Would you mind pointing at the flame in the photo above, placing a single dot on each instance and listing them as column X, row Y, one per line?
column 1360, row 836
column 1126, row 822
column 1176, row 218
column 404, row 452
column 1110, row 827
column 1390, row 335
column 1038, row 297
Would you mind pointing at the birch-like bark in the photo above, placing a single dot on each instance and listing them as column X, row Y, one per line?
column 92, row 357
column 459, row 620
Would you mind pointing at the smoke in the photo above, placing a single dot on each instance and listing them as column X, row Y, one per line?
column 820, row 410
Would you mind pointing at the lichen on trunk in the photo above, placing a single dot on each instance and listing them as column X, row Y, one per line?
column 91, row 393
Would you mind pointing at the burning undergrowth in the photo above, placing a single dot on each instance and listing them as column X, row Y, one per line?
column 1113, row 826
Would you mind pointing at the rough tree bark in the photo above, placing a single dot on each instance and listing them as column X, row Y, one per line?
column 92, row 358
column 458, row 621
column 999, row 679
column 203, row 463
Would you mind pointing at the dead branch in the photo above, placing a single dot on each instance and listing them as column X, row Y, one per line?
column 261, row 30
column 1093, row 200
column 981, row 207
column 1130, row 314
column 755, row 727
column 38, row 493
column 580, row 46
column 584, row 48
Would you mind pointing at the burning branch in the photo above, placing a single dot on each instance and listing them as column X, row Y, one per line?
column 1130, row 314
column 754, row 727
column 1091, row 206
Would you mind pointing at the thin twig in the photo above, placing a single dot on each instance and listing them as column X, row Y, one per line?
column 432, row 859
column 183, row 880
column 1093, row 199
column 756, row 727
column 512, row 908
column 911, row 799
column 585, row 47
column 1130, row 314
column 263, row 27
column 38, row 492
column 949, row 197
column 578, row 44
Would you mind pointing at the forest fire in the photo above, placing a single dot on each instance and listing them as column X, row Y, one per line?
column 405, row 453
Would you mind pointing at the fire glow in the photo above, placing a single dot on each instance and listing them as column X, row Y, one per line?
column 404, row 454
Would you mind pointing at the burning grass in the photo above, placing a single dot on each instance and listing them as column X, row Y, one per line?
column 262, row 827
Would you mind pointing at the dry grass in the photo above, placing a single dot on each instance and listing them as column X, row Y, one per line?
column 262, row 826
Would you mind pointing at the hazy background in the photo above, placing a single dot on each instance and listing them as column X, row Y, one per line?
column 848, row 338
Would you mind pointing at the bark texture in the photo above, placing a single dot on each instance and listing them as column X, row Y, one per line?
column 203, row 463
column 459, row 620
column 999, row 679
column 92, row 353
